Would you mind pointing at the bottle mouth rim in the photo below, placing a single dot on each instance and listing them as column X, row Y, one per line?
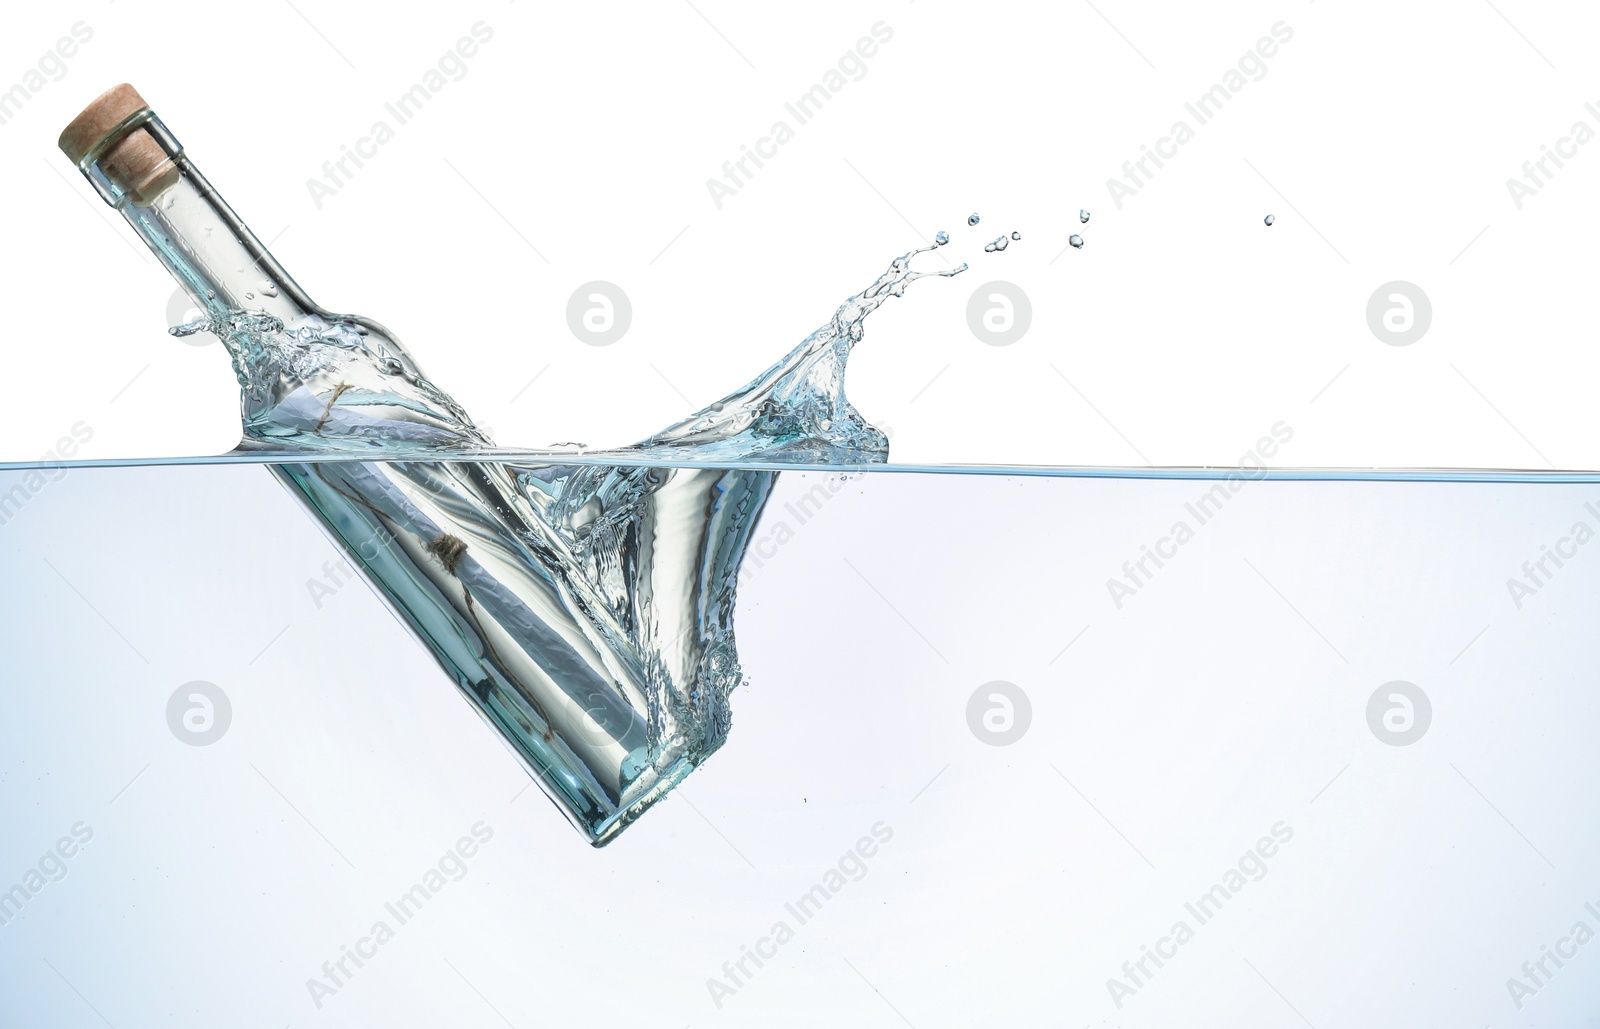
column 114, row 135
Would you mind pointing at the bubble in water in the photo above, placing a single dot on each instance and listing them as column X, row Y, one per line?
column 940, row 238
column 1076, row 240
column 1016, row 235
column 1269, row 219
column 1000, row 243
column 972, row 219
column 1083, row 216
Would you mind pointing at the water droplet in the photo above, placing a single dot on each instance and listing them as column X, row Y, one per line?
column 1000, row 243
column 1016, row 235
column 1269, row 219
column 249, row 296
column 940, row 238
column 392, row 366
column 1083, row 216
column 1076, row 240
column 268, row 289
column 972, row 219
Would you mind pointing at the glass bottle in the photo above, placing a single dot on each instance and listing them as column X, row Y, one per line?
column 584, row 610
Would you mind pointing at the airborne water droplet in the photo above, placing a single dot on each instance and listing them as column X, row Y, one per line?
column 1083, row 216
column 1269, row 219
column 940, row 238
column 1000, row 243
column 972, row 219
column 1076, row 240
column 1016, row 235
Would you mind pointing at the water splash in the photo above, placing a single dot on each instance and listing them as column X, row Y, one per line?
column 797, row 409
column 584, row 610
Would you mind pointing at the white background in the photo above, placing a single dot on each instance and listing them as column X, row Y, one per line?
column 1180, row 333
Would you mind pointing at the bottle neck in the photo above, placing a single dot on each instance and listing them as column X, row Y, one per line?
column 213, row 255
column 307, row 377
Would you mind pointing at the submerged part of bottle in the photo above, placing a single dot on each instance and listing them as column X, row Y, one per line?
column 586, row 611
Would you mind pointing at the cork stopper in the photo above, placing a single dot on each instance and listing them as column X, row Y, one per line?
column 137, row 163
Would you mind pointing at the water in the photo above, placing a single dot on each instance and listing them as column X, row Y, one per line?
column 1076, row 241
column 1231, row 692
column 1083, row 216
column 1269, row 219
column 585, row 609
